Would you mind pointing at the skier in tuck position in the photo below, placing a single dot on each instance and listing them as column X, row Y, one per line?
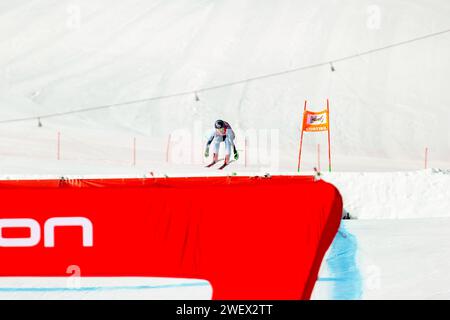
column 221, row 133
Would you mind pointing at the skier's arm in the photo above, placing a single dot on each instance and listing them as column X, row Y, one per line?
column 210, row 139
column 231, row 137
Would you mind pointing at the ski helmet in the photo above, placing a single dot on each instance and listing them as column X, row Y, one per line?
column 219, row 124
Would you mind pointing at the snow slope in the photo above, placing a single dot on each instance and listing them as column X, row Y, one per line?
column 386, row 107
column 394, row 195
column 387, row 259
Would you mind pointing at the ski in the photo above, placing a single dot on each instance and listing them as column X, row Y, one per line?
column 211, row 164
column 223, row 166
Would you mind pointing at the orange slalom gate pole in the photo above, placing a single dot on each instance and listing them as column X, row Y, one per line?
column 168, row 148
column 329, row 143
column 301, row 140
column 245, row 152
column 318, row 156
column 58, row 148
column 134, row 151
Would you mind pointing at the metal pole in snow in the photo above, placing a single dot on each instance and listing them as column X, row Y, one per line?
column 58, row 148
column 318, row 156
column 134, row 151
column 168, row 148
column 245, row 152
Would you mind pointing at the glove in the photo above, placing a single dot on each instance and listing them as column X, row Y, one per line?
column 236, row 155
column 206, row 152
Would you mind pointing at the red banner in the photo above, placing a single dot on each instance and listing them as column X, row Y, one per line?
column 250, row 237
column 315, row 121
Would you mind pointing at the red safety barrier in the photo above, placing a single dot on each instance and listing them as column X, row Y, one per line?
column 250, row 237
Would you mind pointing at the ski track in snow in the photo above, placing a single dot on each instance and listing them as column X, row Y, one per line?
column 344, row 273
